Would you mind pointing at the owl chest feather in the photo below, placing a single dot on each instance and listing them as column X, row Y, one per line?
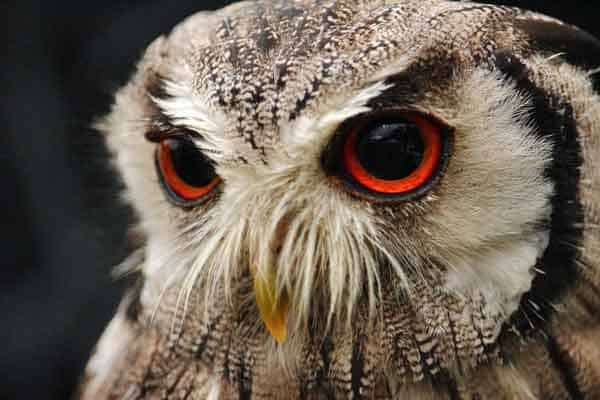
column 440, row 348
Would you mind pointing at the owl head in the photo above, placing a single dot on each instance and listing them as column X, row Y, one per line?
column 315, row 167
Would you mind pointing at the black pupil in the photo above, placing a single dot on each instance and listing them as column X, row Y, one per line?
column 191, row 165
column 391, row 150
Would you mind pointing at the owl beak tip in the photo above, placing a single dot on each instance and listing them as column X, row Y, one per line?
column 280, row 335
column 275, row 321
column 273, row 307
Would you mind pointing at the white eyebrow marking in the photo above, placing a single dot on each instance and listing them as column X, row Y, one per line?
column 184, row 108
column 306, row 131
column 191, row 110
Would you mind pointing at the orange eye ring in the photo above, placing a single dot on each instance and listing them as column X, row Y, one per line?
column 432, row 155
column 184, row 191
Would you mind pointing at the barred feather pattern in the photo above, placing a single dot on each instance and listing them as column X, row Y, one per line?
column 487, row 287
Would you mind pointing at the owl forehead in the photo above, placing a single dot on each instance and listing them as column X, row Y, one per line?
column 262, row 65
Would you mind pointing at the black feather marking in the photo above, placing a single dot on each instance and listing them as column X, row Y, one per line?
column 245, row 383
column 565, row 369
column 556, row 123
column 357, row 371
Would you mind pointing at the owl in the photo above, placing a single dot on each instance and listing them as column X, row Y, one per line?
column 373, row 199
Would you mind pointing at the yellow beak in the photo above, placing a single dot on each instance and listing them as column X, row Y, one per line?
column 273, row 305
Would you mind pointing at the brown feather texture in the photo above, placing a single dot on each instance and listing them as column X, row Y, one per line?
column 484, row 286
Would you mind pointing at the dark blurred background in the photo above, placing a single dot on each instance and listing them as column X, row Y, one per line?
column 61, row 225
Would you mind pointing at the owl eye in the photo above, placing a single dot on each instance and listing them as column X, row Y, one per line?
column 187, row 175
column 394, row 154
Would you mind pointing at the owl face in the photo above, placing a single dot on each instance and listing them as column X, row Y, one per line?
column 307, row 162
